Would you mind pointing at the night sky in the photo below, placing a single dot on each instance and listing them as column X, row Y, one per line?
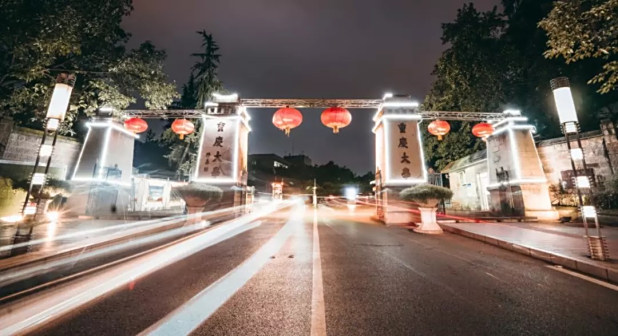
column 306, row 49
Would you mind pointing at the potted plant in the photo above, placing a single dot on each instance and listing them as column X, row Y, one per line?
column 427, row 197
column 197, row 196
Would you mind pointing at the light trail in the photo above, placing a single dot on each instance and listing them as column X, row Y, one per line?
column 158, row 222
column 13, row 276
column 189, row 316
column 29, row 314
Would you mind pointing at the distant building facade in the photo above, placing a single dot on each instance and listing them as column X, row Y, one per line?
column 267, row 162
column 299, row 160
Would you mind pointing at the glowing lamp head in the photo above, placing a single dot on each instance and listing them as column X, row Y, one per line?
column 61, row 96
column 439, row 128
column 136, row 125
column 482, row 130
column 564, row 100
column 351, row 193
column 287, row 118
column 336, row 118
column 589, row 211
column 182, row 127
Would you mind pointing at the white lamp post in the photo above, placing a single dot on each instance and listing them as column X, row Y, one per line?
column 56, row 112
column 569, row 124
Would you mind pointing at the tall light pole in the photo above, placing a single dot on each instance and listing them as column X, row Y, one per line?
column 570, row 128
column 56, row 112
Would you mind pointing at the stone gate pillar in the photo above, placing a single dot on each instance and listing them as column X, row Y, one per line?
column 104, row 170
column 222, row 155
column 517, row 183
column 399, row 155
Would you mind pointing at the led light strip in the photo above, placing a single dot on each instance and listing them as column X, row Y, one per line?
column 111, row 125
column 514, row 127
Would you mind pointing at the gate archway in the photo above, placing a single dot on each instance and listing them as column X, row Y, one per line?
column 222, row 156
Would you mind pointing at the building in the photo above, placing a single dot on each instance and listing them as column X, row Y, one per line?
column 468, row 176
column 468, row 179
column 299, row 160
column 267, row 162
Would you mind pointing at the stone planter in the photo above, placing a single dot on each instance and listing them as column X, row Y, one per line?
column 429, row 222
column 197, row 197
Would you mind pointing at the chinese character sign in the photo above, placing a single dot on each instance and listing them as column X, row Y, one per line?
column 219, row 143
column 405, row 160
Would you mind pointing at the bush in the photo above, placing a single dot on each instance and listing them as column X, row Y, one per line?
column 424, row 192
column 605, row 200
column 194, row 193
column 52, row 187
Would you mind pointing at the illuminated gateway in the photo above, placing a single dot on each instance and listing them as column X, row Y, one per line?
column 106, row 158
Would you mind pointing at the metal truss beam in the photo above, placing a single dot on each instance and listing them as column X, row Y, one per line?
column 163, row 114
column 464, row 116
column 315, row 103
column 312, row 103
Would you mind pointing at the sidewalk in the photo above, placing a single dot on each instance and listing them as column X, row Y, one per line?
column 554, row 243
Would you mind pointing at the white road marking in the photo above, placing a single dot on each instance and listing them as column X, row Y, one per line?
column 189, row 316
column 318, row 317
column 584, row 277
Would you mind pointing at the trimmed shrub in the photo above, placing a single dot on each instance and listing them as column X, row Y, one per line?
column 424, row 192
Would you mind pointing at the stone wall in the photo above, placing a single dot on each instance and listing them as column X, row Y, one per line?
column 21, row 145
column 600, row 151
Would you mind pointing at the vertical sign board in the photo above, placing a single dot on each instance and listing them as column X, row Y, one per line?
column 404, row 153
column 500, row 158
column 218, row 154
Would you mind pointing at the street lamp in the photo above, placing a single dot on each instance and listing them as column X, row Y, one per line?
column 56, row 112
column 569, row 124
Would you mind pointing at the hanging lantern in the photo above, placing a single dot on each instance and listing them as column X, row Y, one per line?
column 287, row 118
column 182, row 127
column 439, row 128
column 482, row 130
column 136, row 125
column 336, row 118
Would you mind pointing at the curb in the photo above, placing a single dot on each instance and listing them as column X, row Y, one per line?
column 603, row 273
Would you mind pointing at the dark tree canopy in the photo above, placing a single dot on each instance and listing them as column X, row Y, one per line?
column 41, row 38
column 495, row 61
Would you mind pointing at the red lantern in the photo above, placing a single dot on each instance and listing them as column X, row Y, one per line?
column 336, row 118
column 439, row 127
column 182, row 127
column 482, row 130
column 136, row 125
column 287, row 118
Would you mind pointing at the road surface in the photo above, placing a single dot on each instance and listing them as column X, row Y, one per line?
column 330, row 271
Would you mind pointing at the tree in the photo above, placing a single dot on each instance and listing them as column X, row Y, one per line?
column 468, row 78
column 205, row 69
column 202, row 83
column 583, row 29
column 495, row 61
column 39, row 39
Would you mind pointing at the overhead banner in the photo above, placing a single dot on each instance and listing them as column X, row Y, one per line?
column 217, row 157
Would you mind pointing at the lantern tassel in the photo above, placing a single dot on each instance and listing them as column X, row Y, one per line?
column 335, row 129
column 182, row 136
column 439, row 138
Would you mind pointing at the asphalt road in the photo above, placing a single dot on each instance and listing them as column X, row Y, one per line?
column 376, row 281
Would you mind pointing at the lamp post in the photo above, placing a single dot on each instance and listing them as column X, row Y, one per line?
column 569, row 124
column 55, row 115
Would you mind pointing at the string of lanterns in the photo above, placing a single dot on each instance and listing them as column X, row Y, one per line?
column 181, row 127
column 288, row 118
column 440, row 128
